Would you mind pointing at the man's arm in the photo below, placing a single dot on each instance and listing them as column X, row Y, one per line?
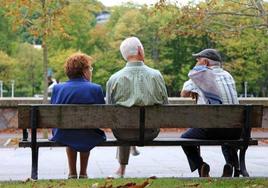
column 189, row 90
column 163, row 89
column 108, row 92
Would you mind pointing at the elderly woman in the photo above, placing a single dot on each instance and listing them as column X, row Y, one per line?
column 78, row 90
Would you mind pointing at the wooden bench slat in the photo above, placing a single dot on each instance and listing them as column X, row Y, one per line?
column 200, row 116
column 81, row 116
column 162, row 116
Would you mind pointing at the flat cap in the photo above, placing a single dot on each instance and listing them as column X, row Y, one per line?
column 210, row 54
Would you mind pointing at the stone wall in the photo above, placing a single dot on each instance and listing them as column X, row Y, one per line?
column 9, row 112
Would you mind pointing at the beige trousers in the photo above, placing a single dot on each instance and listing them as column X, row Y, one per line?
column 123, row 152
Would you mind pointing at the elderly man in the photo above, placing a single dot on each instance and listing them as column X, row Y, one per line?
column 135, row 84
column 210, row 84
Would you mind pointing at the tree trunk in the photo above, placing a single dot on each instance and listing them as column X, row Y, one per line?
column 155, row 50
column 45, row 62
column 45, row 53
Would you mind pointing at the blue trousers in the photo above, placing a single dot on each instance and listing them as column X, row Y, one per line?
column 193, row 154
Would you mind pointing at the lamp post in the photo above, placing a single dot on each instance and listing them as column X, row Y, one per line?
column 12, row 88
column 246, row 89
column 1, row 88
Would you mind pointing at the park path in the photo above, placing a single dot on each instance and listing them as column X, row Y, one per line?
column 153, row 161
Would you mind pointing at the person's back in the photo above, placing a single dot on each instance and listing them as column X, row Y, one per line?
column 226, row 85
column 135, row 84
column 77, row 91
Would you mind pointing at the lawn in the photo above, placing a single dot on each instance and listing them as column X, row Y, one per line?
column 141, row 183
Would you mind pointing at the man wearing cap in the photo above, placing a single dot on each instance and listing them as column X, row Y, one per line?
column 135, row 84
column 210, row 84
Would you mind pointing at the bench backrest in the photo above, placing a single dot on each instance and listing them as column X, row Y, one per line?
column 160, row 116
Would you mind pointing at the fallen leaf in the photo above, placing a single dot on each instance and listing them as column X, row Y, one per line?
column 95, row 185
column 144, row 184
column 62, row 183
column 110, row 178
column 12, row 142
column 107, row 184
column 193, row 185
column 127, row 185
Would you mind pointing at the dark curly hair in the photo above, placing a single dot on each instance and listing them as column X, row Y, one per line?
column 76, row 64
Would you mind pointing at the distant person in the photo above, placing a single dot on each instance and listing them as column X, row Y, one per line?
column 210, row 84
column 78, row 90
column 51, row 83
column 135, row 84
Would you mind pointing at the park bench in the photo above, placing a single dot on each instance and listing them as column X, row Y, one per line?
column 71, row 116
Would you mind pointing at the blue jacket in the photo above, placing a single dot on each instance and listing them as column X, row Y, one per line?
column 78, row 91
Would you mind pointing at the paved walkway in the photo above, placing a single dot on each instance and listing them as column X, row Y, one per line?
column 15, row 163
column 153, row 161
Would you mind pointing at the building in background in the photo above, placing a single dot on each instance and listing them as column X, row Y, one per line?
column 103, row 17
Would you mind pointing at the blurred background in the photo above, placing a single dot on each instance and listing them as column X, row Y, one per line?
column 37, row 36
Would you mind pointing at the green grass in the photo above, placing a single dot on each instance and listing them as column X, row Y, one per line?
column 153, row 183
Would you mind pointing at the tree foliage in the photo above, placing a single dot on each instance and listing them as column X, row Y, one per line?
column 29, row 59
column 169, row 33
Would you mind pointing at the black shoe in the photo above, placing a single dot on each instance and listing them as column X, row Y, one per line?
column 237, row 172
column 204, row 171
column 227, row 170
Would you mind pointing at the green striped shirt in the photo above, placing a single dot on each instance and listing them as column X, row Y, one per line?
column 136, row 84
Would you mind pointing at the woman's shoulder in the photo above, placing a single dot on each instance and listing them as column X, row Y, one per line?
column 94, row 85
column 59, row 86
column 77, row 85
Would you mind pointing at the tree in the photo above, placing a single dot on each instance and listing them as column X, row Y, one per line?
column 8, row 38
column 49, row 16
column 28, row 67
column 81, row 20
column 57, row 60
column 235, row 28
column 7, row 65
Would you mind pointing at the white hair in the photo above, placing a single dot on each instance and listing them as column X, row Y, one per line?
column 130, row 47
column 213, row 63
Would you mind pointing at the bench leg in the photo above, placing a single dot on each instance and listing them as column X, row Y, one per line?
column 242, row 155
column 34, row 163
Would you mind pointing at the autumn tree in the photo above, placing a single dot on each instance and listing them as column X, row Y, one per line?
column 7, row 66
column 30, row 61
column 233, row 27
column 41, row 18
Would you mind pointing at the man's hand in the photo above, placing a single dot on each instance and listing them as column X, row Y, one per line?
column 194, row 95
column 185, row 93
